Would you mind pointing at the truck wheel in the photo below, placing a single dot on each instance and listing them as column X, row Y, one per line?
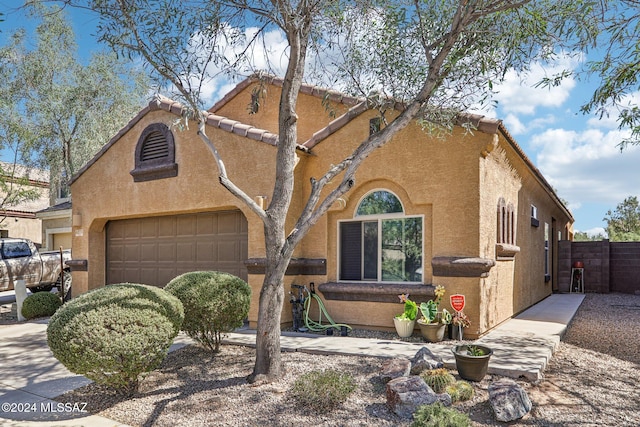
column 65, row 281
column 45, row 288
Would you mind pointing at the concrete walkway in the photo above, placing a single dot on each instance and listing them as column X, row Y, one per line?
column 522, row 346
column 30, row 376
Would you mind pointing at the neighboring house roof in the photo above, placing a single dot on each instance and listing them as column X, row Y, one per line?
column 60, row 210
column 36, row 177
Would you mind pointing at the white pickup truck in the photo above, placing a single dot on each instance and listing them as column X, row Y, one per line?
column 41, row 271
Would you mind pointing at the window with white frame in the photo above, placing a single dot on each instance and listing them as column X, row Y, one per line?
column 381, row 243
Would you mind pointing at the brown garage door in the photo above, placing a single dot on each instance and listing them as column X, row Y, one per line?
column 155, row 250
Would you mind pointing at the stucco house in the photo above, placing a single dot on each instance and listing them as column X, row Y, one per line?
column 18, row 219
column 468, row 211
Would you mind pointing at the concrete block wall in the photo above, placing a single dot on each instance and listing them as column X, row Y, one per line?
column 608, row 266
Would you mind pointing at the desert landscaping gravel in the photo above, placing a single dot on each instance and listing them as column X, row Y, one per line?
column 593, row 380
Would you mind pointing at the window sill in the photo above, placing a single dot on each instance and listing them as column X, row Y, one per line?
column 461, row 266
column 375, row 292
column 150, row 173
column 506, row 252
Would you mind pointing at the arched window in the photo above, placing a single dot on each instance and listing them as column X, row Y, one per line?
column 155, row 154
column 381, row 243
column 506, row 223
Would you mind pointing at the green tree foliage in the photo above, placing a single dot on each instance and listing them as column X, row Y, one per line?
column 619, row 67
column 436, row 57
column 583, row 236
column 56, row 111
column 623, row 223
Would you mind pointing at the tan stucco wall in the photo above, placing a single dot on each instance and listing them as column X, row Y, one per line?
column 27, row 228
column 106, row 191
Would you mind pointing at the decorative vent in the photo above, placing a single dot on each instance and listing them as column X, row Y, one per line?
column 154, row 147
column 155, row 154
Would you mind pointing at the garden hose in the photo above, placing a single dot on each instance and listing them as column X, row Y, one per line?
column 318, row 326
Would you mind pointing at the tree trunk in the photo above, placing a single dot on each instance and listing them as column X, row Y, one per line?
column 268, row 366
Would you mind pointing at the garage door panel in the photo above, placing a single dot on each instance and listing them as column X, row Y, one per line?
column 155, row 250
column 228, row 251
column 149, row 228
column 228, row 224
column 131, row 252
column 131, row 230
column 186, row 251
column 206, row 225
column 186, row 226
column 149, row 251
column 166, row 252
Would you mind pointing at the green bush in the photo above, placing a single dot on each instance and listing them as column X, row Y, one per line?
column 323, row 390
column 214, row 303
column 40, row 304
column 437, row 415
column 114, row 334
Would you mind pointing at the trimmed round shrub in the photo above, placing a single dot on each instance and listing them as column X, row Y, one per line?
column 115, row 334
column 437, row 415
column 323, row 391
column 40, row 304
column 214, row 303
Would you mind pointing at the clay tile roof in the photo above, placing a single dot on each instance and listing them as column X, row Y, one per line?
column 277, row 81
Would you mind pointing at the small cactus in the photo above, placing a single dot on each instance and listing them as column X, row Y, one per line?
column 438, row 379
column 460, row 391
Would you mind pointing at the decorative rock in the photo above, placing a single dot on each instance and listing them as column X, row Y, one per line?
column 395, row 368
column 405, row 394
column 423, row 360
column 445, row 399
column 508, row 400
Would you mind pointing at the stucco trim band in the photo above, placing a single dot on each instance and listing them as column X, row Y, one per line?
column 461, row 266
column 375, row 292
column 297, row 266
column 78, row 264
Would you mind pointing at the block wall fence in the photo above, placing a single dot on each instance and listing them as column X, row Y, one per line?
column 608, row 266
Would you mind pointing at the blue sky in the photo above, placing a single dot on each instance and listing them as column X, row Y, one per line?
column 577, row 154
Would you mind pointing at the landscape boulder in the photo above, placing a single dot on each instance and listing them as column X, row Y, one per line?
column 423, row 360
column 406, row 394
column 395, row 368
column 508, row 400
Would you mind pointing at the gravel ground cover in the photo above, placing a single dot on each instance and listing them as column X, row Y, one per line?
column 591, row 381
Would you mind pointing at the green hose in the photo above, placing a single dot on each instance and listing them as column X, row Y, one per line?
column 318, row 326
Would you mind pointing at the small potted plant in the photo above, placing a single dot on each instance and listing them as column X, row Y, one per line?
column 430, row 323
column 459, row 321
column 406, row 321
column 472, row 361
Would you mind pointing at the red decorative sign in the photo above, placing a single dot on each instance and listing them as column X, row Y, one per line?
column 457, row 302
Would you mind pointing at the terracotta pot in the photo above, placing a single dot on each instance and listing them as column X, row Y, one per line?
column 578, row 264
column 472, row 368
column 432, row 332
column 404, row 327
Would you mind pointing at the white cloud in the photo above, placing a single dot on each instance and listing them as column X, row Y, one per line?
column 586, row 166
column 517, row 94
